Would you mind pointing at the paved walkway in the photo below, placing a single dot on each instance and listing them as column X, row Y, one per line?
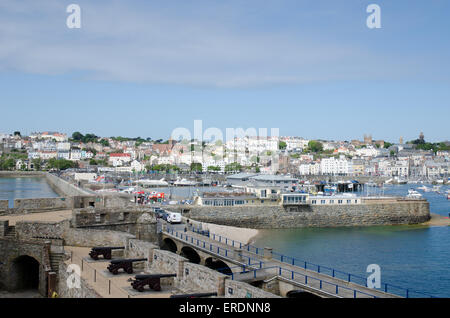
column 96, row 275
column 53, row 216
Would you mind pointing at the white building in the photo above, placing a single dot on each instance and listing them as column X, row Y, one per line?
column 137, row 166
column 119, row 159
column 333, row 166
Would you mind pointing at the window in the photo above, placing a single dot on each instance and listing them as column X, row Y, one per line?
column 349, row 201
column 322, row 201
column 331, row 201
column 339, row 201
column 313, row 202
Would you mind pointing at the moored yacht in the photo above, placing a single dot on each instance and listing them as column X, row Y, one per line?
column 413, row 194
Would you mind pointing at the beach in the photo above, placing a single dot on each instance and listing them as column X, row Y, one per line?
column 243, row 235
column 438, row 220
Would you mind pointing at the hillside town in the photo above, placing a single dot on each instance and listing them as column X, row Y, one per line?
column 409, row 160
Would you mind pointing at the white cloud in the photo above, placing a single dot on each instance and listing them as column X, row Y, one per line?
column 119, row 43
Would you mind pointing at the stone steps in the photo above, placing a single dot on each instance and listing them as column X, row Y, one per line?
column 55, row 260
column 11, row 232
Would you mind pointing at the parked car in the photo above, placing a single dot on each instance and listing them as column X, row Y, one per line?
column 173, row 217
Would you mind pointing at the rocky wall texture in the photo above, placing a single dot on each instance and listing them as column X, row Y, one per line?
column 375, row 212
column 41, row 204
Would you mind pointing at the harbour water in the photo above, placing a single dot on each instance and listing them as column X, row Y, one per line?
column 25, row 188
column 414, row 257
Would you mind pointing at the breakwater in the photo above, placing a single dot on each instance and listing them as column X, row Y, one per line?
column 372, row 211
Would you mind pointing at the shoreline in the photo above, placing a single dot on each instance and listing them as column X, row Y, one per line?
column 437, row 220
column 238, row 234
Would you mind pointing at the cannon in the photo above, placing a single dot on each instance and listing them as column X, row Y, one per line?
column 153, row 281
column 200, row 295
column 105, row 251
column 125, row 264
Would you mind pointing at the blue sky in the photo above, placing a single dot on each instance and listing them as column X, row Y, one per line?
column 309, row 68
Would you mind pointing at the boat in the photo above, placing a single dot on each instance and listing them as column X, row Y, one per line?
column 436, row 188
column 152, row 183
column 424, row 188
column 413, row 194
column 185, row 183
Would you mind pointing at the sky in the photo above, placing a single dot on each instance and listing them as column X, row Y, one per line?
column 311, row 68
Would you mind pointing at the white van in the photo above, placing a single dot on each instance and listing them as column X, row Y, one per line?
column 173, row 217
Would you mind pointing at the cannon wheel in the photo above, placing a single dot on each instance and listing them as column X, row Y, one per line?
column 141, row 289
column 115, row 272
column 130, row 270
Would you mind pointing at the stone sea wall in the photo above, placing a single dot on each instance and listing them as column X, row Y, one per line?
column 369, row 213
column 64, row 188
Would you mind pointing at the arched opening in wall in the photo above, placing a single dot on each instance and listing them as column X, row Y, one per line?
column 25, row 273
column 190, row 254
column 169, row 245
column 301, row 294
column 218, row 265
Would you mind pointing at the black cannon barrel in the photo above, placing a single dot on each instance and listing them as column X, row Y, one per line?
column 131, row 260
column 149, row 276
column 199, row 295
column 108, row 248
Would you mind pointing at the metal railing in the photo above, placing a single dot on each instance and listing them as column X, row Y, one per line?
column 351, row 278
column 325, row 270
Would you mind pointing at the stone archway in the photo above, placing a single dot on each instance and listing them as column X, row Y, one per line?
column 24, row 273
column 190, row 254
column 169, row 245
column 218, row 265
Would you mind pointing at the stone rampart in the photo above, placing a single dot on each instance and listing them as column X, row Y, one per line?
column 369, row 213
column 41, row 204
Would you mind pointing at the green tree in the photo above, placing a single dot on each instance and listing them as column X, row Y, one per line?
column 37, row 163
column 195, row 166
column 315, row 146
column 387, row 145
column 282, row 145
column 213, row 168
column 77, row 136
column 233, row 167
column 104, row 142
column 61, row 164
